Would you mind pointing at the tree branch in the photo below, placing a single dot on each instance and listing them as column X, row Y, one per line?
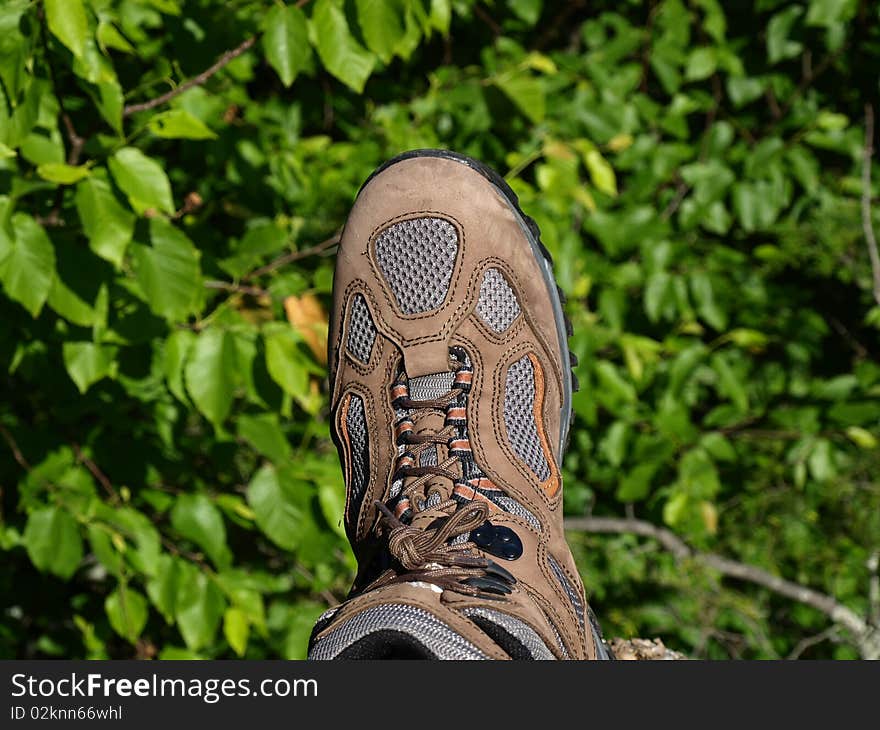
column 102, row 478
column 809, row 641
column 867, row 226
column 230, row 55
column 13, row 446
column 867, row 637
column 293, row 256
column 253, row 291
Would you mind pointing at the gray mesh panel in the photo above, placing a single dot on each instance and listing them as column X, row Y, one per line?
column 526, row 635
column 417, row 257
column 497, row 305
column 519, row 417
column 356, row 425
column 361, row 330
column 423, row 626
column 572, row 593
column 509, row 504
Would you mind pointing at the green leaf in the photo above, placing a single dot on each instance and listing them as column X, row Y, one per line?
column 703, row 291
column 340, row 53
column 658, row 294
column 601, row 173
column 199, row 606
column 614, row 444
column 168, row 272
column 441, row 15
column 701, row 64
column 52, row 540
column 827, row 13
column 380, row 23
column 127, row 611
column 278, row 516
column 264, row 433
column 15, row 49
column 636, row 484
column 729, row 383
column 821, row 461
column 210, row 374
column 142, row 179
column 331, row 497
column 27, row 263
column 68, row 23
column 744, row 90
column 613, row 384
column 527, row 94
column 107, row 224
column 284, row 361
column 526, row 10
column 779, row 46
column 236, row 629
column 286, row 41
column 87, row 363
column 197, row 519
column 179, row 124
column 63, row 174
column 697, row 475
column 754, row 205
column 177, row 349
column 862, row 437
column 164, row 586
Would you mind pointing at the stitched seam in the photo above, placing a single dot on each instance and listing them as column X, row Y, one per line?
column 477, row 446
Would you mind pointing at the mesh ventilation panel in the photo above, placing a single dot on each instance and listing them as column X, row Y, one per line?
column 356, row 426
column 497, row 305
column 573, row 594
column 519, row 417
column 416, row 258
column 361, row 330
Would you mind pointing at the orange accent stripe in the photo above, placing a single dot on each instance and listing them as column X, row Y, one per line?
column 462, row 490
column 398, row 391
column 483, row 483
column 456, row 413
column 460, row 445
column 551, row 484
column 464, row 376
column 401, row 507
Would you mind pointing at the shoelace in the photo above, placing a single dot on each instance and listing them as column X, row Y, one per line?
column 431, row 553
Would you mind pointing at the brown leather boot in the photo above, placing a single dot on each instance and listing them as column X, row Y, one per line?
column 451, row 399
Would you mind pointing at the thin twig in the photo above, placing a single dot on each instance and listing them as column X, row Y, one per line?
column 102, row 478
column 733, row 569
column 488, row 20
column 13, row 446
column 810, row 75
column 230, row 55
column 867, row 226
column 810, row 641
column 293, row 256
column 253, row 291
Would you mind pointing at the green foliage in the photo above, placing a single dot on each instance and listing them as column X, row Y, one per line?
column 695, row 167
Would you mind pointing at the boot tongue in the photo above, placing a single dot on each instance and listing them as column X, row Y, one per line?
column 428, row 387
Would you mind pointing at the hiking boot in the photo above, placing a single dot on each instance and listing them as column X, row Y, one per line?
column 451, row 388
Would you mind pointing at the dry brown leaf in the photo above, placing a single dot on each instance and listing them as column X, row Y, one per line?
column 306, row 314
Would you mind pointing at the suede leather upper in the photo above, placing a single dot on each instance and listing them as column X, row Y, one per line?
column 490, row 235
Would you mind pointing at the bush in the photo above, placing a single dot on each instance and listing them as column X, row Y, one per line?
column 172, row 175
